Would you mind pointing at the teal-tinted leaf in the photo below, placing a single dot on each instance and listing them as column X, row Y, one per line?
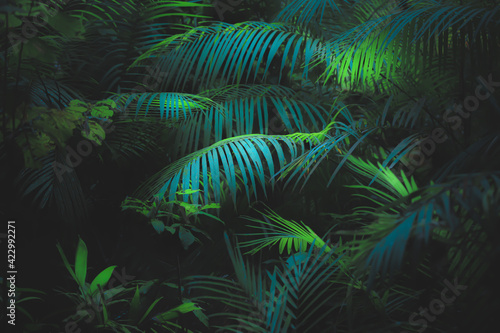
column 110, row 293
column 158, row 225
column 202, row 53
column 201, row 316
column 246, row 152
column 304, row 12
column 186, row 237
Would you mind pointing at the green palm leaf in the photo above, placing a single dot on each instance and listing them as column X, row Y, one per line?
column 162, row 105
column 384, row 241
column 294, row 297
column 250, row 154
column 247, row 110
column 55, row 182
column 306, row 280
column 286, row 233
column 203, row 54
column 307, row 10
column 381, row 47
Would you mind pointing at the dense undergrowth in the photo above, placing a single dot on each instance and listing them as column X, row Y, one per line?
column 251, row 166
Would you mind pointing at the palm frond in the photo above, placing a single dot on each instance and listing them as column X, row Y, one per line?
column 311, row 298
column 250, row 154
column 240, row 113
column 286, row 233
column 383, row 242
column 50, row 93
column 133, row 138
column 247, row 297
column 296, row 296
column 162, row 105
column 310, row 160
column 54, row 183
column 380, row 47
column 201, row 54
column 307, row 10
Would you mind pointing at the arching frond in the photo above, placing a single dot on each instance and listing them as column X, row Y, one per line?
column 267, row 112
column 55, row 182
column 307, row 10
column 223, row 93
column 296, row 296
column 52, row 93
column 311, row 297
column 384, row 241
column 130, row 139
column 398, row 185
column 381, row 47
column 288, row 234
column 311, row 159
column 229, row 52
column 162, row 105
column 253, row 155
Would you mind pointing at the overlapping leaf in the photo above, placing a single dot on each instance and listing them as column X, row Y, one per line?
column 229, row 52
column 254, row 156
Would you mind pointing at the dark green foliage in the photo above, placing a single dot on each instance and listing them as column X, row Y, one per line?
column 358, row 136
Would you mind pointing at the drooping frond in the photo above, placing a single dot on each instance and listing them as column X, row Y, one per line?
column 311, row 159
column 306, row 10
column 100, row 41
column 243, row 112
column 444, row 206
column 251, row 157
column 223, row 93
column 295, row 296
column 230, row 53
column 306, row 280
column 162, row 105
column 399, row 185
column 247, row 296
column 52, row 93
column 129, row 138
column 55, row 182
column 286, row 233
column 380, row 48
